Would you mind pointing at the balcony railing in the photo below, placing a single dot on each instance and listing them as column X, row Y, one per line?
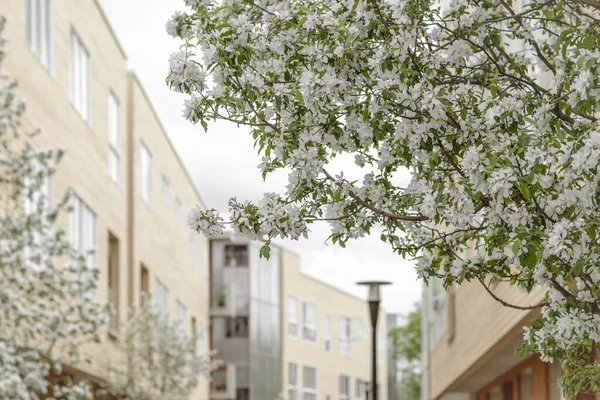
column 223, row 302
column 223, row 383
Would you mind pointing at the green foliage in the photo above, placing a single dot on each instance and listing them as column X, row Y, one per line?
column 406, row 342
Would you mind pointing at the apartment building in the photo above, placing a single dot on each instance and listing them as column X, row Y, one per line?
column 281, row 332
column 469, row 341
column 130, row 190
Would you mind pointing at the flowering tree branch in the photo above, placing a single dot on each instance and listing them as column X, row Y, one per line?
column 491, row 108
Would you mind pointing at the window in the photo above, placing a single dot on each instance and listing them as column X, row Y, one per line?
column 80, row 80
column 114, row 138
column 345, row 343
column 309, row 321
column 193, row 243
column 236, row 327
column 380, row 345
column 309, row 383
column 38, row 200
column 83, row 233
column 201, row 339
column 144, row 282
column 39, row 30
column 181, row 318
column 344, row 387
column 360, row 389
column 236, row 256
column 178, row 211
column 292, row 381
column 165, row 190
column 145, row 174
column 438, row 307
column 161, row 298
column 113, row 281
column 327, row 334
column 292, row 316
column 206, row 268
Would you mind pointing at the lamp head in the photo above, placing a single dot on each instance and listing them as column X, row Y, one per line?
column 374, row 292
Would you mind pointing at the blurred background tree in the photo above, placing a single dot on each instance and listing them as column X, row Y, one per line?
column 406, row 341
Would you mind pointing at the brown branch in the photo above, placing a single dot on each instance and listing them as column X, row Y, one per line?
column 387, row 214
column 504, row 303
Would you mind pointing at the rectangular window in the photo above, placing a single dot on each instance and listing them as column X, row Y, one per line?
column 236, row 327
column 38, row 200
column 181, row 319
column 165, row 190
column 113, row 281
column 361, row 393
column 39, row 30
column 144, row 282
column 161, row 298
column 309, row 383
column 83, row 233
column 145, row 174
column 292, row 381
column 193, row 244
column 309, row 321
column 202, row 345
column 178, row 211
column 114, row 138
column 380, row 345
column 206, row 269
column 345, row 335
column 292, row 316
column 344, row 387
column 80, row 79
column 327, row 334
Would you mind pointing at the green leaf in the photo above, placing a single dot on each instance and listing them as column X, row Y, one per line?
column 588, row 42
column 578, row 267
column 265, row 251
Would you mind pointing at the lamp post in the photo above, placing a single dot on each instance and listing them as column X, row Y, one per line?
column 374, row 299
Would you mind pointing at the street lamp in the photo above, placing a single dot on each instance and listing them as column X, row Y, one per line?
column 374, row 299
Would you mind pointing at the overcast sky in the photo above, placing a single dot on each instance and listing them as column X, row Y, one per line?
column 223, row 162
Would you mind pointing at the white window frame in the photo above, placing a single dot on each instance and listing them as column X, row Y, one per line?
column 344, row 387
column 327, row 334
column 438, row 310
column 178, row 211
column 309, row 328
column 181, row 318
column 361, row 389
column 193, row 245
column 309, row 393
column 83, row 233
column 345, row 335
column 162, row 300
column 114, row 138
column 165, row 190
column 41, row 202
column 292, row 316
column 202, row 343
column 292, row 386
column 146, row 174
column 206, row 268
column 39, row 31
column 80, row 77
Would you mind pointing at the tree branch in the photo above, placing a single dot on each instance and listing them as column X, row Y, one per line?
column 504, row 303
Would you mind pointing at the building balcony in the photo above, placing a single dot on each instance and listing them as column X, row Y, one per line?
column 223, row 303
column 223, row 383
